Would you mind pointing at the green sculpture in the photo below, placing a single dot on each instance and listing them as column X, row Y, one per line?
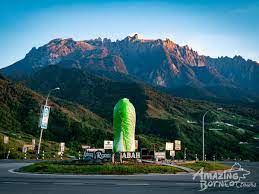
column 124, row 121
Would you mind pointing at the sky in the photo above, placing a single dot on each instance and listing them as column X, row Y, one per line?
column 213, row 28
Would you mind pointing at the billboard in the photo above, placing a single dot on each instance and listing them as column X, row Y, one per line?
column 169, row 146
column 85, row 147
column 33, row 142
column 160, row 155
column 6, row 139
column 97, row 155
column 177, row 144
column 108, row 145
column 95, row 150
column 62, row 147
column 172, row 153
column 129, row 155
column 44, row 118
column 136, row 144
column 124, row 121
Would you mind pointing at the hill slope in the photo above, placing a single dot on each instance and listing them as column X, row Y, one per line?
column 72, row 123
column 159, row 115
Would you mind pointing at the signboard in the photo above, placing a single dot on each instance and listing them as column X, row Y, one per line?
column 43, row 123
column 95, row 150
column 177, row 144
column 27, row 147
column 6, row 139
column 169, row 146
column 62, row 147
column 97, row 155
column 129, row 155
column 85, row 147
column 33, row 142
column 172, row 153
column 160, row 155
column 24, row 149
column 136, row 144
column 108, row 145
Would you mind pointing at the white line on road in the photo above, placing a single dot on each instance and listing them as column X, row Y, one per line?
column 19, row 183
column 132, row 184
column 65, row 183
column 100, row 175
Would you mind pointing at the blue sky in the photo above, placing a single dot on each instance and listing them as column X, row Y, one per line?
column 214, row 28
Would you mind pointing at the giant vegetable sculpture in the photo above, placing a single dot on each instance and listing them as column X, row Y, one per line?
column 124, row 121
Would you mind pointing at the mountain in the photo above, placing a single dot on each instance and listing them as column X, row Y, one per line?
column 161, row 63
column 160, row 117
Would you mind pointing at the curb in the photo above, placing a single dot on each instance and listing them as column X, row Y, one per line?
column 13, row 171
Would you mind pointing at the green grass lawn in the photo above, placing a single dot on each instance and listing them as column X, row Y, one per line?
column 66, row 167
column 55, row 167
column 208, row 166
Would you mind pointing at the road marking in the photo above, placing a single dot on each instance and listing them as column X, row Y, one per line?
column 17, row 183
column 6, row 182
column 132, row 184
column 100, row 175
column 65, row 183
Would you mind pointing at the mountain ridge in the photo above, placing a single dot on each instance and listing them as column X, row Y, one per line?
column 158, row 62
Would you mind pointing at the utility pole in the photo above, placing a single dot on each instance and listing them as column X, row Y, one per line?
column 203, row 138
column 41, row 131
column 203, row 149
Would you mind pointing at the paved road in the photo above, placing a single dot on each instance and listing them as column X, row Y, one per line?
column 12, row 183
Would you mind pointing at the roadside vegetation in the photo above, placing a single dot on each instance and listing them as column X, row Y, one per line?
column 208, row 166
column 68, row 167
column 115, row 169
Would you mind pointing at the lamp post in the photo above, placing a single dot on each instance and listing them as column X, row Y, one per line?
column 41, row 131
column 203, row 128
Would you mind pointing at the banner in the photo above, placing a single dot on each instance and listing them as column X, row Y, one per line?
column 44, row 118
column 108, row 145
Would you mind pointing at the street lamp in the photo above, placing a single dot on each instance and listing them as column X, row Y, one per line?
column 203, row 118
column 41, row 131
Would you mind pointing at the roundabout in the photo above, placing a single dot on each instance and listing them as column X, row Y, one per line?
column 24, row 183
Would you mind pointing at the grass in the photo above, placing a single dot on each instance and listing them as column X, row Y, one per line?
column 115, row 169
column 208, row 166
column 66, row 167
column 16, row 142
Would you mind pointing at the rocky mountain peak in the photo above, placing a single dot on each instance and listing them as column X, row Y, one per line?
column 132, row 38
column 158, row 62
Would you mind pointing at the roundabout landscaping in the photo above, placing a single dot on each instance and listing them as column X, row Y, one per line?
column 72, row 167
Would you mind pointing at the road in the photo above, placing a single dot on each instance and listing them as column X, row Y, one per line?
column 13, row 183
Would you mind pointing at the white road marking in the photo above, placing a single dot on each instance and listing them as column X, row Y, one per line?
column 100, row 175
column 68, row 183
column 132, row 184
